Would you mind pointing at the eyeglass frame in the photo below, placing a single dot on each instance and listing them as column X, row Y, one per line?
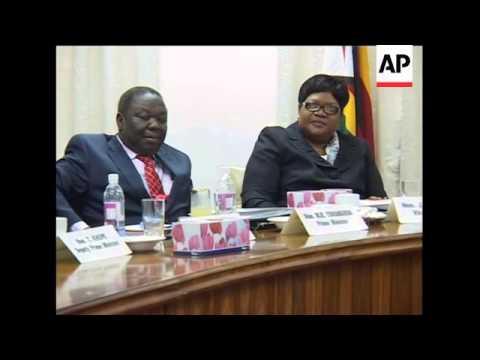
column 322, row 107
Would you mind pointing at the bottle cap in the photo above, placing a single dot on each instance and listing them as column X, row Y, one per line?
column 113, row 178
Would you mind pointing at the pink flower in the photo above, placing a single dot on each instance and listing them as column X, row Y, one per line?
column 203, row 230
column 307, row 198
column 207, row 242
column 207, row 238
column 194, row 242
column 216, row 228
column 245, row 236
column 332, row 198
column 231, row 231
column 319, row 196
column 177, row 233
column 290, row 200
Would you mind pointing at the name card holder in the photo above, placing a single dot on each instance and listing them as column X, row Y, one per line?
column 94, row 244
column 406, row 210
column 323, row 219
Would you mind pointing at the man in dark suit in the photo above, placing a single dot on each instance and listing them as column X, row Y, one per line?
column 146, row 165
column 310, row 154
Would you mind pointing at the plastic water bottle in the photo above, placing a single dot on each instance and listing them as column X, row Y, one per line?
column 114, row 204
column 225, row 194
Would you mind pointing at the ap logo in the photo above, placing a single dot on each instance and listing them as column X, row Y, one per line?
column 394, row 66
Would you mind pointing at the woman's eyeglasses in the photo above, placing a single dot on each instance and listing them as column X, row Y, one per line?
column 327, row 109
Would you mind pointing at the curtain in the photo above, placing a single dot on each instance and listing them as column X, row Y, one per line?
column 91, row 79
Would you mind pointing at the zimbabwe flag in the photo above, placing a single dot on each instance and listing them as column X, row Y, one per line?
column 357, row 116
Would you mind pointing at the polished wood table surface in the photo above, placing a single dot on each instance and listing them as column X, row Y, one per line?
column 378, row 271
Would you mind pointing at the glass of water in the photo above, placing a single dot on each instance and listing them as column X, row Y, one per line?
column 153, row 216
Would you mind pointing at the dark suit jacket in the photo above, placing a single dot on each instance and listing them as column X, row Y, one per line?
column 283, row 160
column 82, row 175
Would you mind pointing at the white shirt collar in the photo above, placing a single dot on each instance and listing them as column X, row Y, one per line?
column 332, row 148
column 131, row 154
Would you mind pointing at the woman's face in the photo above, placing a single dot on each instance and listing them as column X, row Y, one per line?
column 319, row 116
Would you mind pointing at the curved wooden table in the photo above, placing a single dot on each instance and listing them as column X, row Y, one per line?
column 374, row 272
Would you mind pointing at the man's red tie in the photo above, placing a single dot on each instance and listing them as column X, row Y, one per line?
column 153, row 181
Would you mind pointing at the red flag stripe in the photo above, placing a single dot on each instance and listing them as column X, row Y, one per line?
column 394, row 84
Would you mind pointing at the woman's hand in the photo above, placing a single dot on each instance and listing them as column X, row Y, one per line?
column 376, row 198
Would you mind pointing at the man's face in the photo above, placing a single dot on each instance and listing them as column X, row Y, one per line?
column 322, row 123
column 144, row 125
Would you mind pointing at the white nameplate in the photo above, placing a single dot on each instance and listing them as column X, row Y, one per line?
column 324, row 219
column 93, row 244
column 406, row 210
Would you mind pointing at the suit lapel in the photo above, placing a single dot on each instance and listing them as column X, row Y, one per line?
column 346, row 154
column 168, row 159
column 295, row 134
column 127, row 170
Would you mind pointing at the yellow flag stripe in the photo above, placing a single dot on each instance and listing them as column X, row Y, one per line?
column 363, row 67
column 349, row 112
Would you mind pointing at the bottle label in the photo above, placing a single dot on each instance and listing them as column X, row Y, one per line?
column 113, row 211
column 225, row 200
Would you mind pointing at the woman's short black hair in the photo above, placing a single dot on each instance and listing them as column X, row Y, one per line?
column 324, row 83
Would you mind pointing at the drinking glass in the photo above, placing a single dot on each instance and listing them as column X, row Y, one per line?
column 153, row 216
column 200, row 204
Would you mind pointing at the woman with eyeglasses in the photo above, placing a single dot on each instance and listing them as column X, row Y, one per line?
column 311, row 154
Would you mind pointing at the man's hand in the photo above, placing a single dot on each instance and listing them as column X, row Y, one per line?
column 79, row 226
